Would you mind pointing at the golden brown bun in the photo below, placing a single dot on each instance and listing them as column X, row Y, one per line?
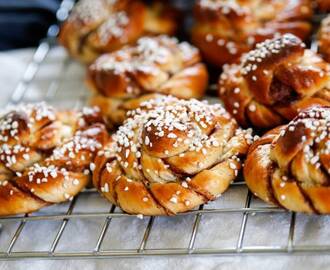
column 99, row 26
column 154, row 65
column 161, row 18
column 274, row 82
column 170, row 156
column 290, row 165
column 324, row 38
column 45, row 155
column 224, row 30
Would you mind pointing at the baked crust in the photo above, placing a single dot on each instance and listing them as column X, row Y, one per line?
column 170, row 156
column 224, row 30
column 324, row 38
column 99, row 26
column 290, row 165
column 45, row 155
column 274, row 82
column 154, row 65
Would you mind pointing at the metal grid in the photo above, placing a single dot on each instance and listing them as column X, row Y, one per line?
column 76, row 99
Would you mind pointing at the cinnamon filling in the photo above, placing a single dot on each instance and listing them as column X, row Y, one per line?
column 281, row 93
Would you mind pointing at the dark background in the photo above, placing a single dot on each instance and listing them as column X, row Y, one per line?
column 24, row 22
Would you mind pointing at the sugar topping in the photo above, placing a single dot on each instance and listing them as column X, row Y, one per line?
column 254, row 19
column 146, row 55
column 251, row 60
column 224, row 6
column 113, row 27
column 316, row 135
column 167, row 127
column 11, row 121
column 169, row 116
column 35, row 112
column 74, row 146
column 22, row 154
column 87, row 112
column 69, row 151
column 91, row 10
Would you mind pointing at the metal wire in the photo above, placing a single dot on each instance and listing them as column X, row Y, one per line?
column 142, row 249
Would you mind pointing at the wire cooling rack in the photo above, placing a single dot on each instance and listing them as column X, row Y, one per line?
column 248, row 208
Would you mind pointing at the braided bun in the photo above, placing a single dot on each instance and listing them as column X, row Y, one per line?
column 45, row 155
column 324, row 38
column 274, row 82
column 98, row 26
column 170, row 156
column 123, row 79
column 290, row 165
column 224, row 30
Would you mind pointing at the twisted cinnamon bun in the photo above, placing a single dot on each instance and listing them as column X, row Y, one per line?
column 274, row 82
column 45, row 155
column 290, row 165
column 170, row 156
column 224, row 29
column 154, row 65
column 98, row 26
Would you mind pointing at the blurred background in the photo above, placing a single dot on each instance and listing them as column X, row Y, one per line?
column 24, row 22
